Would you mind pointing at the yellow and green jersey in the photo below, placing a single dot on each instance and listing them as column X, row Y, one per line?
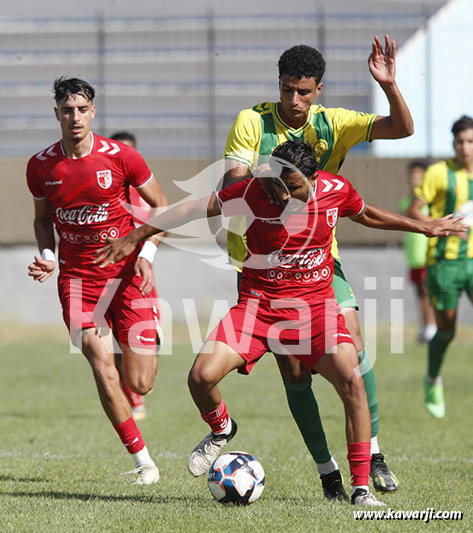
column 256, row 132
column 445, row 188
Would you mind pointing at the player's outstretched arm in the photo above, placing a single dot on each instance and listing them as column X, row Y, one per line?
column 43, row 267
column 382, row 66
column 117, row 249
column 373, row 216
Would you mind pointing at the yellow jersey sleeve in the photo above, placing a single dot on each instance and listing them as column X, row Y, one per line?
column 244, row 138
column 351, row 127
column 433, row 185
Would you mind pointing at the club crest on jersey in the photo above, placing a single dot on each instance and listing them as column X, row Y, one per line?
column 104, row 178
column 320, row 147
column 332, row 217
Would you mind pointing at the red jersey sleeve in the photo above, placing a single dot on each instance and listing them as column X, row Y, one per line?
column 353, row 203
column 233, row 199
column 33, row 179
column 137, row 172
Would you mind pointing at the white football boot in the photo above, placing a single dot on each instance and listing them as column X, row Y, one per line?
column 208, row 449
column 364, row 497
column 145, row 474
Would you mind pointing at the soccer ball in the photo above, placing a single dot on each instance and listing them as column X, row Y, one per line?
column 236, row 478
column 466, row 211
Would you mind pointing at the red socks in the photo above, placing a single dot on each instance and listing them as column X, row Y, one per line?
column 359, row 457
column 130, row 435
column 217, row 420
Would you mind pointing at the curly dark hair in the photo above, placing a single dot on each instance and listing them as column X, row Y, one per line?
column 297, row 154
column 463, row 123
column 302, row 61
column 64, row 87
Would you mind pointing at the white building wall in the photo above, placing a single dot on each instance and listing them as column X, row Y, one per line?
column 434, row 72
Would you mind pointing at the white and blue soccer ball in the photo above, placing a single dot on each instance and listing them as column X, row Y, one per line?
column 236, row 478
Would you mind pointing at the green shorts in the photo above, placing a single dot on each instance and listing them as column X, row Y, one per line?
column 343, row 292
column 446, row 280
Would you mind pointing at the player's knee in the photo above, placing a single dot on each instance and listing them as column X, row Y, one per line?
column 141, row 383
column 351, row 389
column 142, row 388
column 201, row 378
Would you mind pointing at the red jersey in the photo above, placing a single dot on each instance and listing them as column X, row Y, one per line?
column 87, row 196
column 289, row 253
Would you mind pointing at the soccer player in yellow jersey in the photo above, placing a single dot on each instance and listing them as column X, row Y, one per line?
column 332, row 132
column 447, row 188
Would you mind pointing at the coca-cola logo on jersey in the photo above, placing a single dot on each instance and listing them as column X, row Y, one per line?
column 88, row 214
column 306, row 261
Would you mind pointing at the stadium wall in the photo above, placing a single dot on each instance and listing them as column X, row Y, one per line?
column 193, row 291
column 380, row 181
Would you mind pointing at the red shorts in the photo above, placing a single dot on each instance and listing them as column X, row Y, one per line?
column 305, row 330
column 417, row 275
column 111, row 303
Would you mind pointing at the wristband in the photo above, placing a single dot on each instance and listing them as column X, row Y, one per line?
column 148, row 251
column 48, row 255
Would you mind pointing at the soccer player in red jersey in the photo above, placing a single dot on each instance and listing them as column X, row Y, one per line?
column 332, row 132
column 286, row 303
column 80, row 185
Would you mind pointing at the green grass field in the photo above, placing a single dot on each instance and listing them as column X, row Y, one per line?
column 61, row 460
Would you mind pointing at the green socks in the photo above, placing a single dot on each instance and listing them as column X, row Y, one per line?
column 303, row 406
column 370, row 387
column 305, row 410
column 437, row 348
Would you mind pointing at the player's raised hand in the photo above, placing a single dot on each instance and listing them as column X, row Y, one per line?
column 41, row 269
column 115, row 250
column 447, row 225
column 382, row 63
column 144, row 270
